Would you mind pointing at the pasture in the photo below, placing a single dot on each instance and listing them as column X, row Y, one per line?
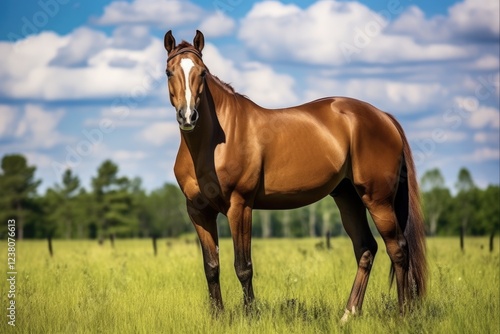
column 300, row 288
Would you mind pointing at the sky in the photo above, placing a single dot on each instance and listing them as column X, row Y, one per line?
column 82, row 82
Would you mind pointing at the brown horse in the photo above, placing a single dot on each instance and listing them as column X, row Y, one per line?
column 236, row 156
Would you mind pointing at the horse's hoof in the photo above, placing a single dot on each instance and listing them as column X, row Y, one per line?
column 348, row 315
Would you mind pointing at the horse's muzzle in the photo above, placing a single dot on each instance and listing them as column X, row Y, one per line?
column 187, row 120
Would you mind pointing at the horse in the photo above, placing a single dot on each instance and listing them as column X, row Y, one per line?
column 235, row 156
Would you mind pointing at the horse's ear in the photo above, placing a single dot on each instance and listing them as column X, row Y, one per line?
column 199, row 41
column 169, row 41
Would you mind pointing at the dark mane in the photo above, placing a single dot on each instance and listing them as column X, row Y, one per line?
column 224, row 85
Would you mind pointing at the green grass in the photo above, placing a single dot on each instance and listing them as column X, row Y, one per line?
column 87, row 288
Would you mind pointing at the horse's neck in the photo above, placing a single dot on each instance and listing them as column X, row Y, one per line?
column 223, row 102
column 213, row 109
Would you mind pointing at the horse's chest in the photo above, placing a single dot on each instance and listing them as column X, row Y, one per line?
column 205, row 183
column 213, row 179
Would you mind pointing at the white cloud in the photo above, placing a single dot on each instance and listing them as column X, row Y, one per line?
column 40, row 126
column 266, row 87
column 217, row 24
column 122, row 155
column 414, row 23
column 487, row 137
column 485, row 86
column 484, row 116
column 486, row 62
column 45, row 74
column 160, row 133
column 276, row 31
column 143, row 113
column 482, row 154
column 40, row 160
column 273, row 10
column 472, row 17
column 437, row 135
column 332, row 33
column 476, row 115
column 114, row 71
column 470, row 20
column 7, row 119
column 35, row 128
column 134, row 37
column 82, row 44
column 256, row 80
column 397, row 97
column 167, row 14
column 19, row 60
column 436, row 129
column 162, row 13
column 132, row 118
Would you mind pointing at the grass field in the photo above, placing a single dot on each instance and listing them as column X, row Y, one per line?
column 87, row 288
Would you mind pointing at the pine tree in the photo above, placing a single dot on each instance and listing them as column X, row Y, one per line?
column 114, row 202
column 465, row 196
column 435, row 197
column 17, row 189
column 62, row 207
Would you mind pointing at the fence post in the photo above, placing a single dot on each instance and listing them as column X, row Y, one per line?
column 492, row 239
column 462, row 238
column 49, row 240
column 155, row 248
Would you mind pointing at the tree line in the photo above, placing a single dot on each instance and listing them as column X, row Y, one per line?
column 118, row 206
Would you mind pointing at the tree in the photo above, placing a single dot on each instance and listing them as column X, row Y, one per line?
column 487, row 215
column 265, row 219
column 286, row 223
column 18, row 187
column 141, row 210
column 65, row 208
column 86, row 215
column 465, row 197
column 464, row 183
column 168, row 212
column 435, row 197
column 312, row 208
column 330, row 217
column 114, row 203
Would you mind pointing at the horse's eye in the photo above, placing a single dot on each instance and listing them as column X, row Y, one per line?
column 203, row 73
column 169, row 74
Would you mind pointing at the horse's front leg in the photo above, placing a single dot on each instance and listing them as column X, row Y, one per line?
column 240, row 223
column 205, row 223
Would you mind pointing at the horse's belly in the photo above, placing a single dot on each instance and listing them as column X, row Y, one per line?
column 298, row 185
column 301, row 170
column 285, row 201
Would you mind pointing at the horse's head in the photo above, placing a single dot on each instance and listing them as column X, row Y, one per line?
column 186, row 78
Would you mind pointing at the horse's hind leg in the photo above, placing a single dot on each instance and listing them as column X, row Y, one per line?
column 385, row 219
column 353, row 214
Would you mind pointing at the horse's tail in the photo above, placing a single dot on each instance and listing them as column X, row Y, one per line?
column 411, row 221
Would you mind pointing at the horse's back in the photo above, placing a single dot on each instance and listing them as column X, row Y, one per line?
column 310, row 148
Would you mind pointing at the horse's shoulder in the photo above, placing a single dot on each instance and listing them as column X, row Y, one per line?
column 185, row 174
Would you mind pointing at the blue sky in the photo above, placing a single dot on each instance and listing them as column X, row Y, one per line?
column 82, row 82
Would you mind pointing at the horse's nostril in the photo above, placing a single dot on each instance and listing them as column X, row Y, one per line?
column 194, row 117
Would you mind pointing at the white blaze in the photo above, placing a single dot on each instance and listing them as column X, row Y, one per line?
column 187, row 64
